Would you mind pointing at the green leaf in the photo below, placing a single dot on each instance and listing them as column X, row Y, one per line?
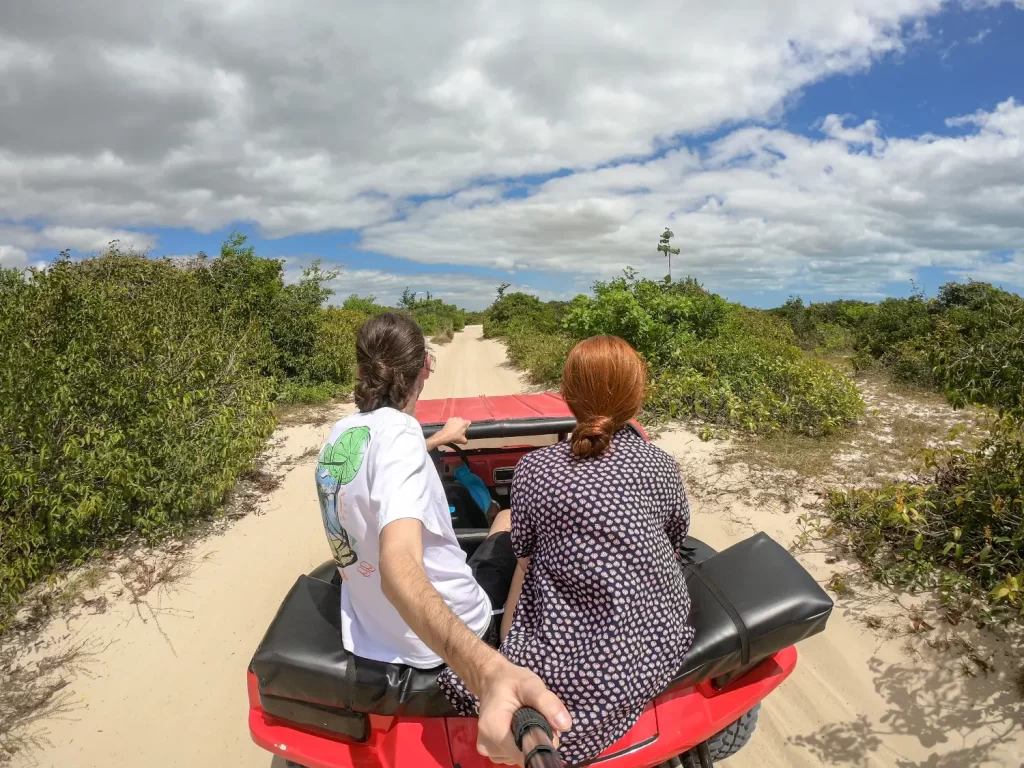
column 919, row 542
column 343, row 458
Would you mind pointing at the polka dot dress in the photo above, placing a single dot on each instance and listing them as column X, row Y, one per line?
column 603, row 614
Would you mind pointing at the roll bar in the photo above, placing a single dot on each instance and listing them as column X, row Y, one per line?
column 484, row 430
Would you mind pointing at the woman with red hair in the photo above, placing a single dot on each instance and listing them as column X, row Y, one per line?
column 599, row 606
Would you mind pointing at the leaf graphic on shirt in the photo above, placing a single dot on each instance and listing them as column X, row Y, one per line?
column 343, row 458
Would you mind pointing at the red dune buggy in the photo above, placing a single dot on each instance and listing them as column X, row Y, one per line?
column 317, row 706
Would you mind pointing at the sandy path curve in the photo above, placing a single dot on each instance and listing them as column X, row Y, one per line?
column 167, row 689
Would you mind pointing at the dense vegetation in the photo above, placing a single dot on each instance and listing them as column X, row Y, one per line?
column 135, row 392
column 965, row 342
column 959, row 525
column 709, row 359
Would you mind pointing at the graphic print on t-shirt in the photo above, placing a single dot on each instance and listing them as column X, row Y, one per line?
column 339, row 463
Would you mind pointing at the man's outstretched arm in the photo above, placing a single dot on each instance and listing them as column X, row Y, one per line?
column 501, row 686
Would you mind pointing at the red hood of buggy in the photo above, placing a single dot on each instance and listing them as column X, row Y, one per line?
column 546, row 405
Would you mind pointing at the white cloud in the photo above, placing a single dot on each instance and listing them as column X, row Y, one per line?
column 1008, row 272
column 310, row 116
column 12, row 257
column 82, row 239
column 980, row 36
column 760, row 209
column 465, row 290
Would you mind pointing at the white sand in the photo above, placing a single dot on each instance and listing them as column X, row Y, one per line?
column 168, row 687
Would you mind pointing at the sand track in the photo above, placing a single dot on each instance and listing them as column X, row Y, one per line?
column 167, row 687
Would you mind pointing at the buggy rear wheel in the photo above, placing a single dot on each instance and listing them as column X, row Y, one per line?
column 731, row 740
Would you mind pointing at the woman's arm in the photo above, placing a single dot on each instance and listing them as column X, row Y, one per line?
column 677, row 525
column 513, row 596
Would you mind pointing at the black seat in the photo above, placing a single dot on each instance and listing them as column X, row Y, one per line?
column 755, row 585
column 754, row 588
column 466, row 513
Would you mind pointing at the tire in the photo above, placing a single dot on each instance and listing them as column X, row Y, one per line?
column 731, row 740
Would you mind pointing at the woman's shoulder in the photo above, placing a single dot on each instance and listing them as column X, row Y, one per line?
column 652, row 453
column 546, row 456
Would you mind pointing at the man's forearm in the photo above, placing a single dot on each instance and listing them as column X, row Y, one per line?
column 406, row 586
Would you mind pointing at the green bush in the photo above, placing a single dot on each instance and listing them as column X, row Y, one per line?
column 432, row 315
column 295, row 340
column 512, row 309
column 651, row 316
column 827, row 326
column 444, row 334
column 126, row 406
column 329, row 369
column 756, row 384
column 895, row 321
column 979, row 351
column 708, row 359
column 367, row 306
column 541, row 354
column 958, row 527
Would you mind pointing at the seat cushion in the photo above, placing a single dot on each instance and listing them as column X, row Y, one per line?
column 302, row 658
column 778, row 601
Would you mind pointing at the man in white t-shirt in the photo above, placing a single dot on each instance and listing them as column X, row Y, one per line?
column 409, row 595
column 374, row 470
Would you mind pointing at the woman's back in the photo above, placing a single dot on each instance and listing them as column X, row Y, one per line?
column 596, row 522
column 602, row 616
column 603, row 613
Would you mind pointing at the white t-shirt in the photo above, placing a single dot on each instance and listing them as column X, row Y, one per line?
column 373, row 470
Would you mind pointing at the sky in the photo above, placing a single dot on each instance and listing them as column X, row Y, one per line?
column 853, row 148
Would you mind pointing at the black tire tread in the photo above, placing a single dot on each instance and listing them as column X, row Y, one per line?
column 731, row 740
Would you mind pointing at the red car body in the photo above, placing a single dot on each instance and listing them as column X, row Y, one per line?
column 672, row 724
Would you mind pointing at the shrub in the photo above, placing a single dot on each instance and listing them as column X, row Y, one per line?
column 432, row 315
column 648, row 315
column 755, row 384
column 329, row 369
column 444, row 334
column 826, row 326
column 959, row 526
column 367, row 305
column 979, row 351
column 541, row 354
column 249, row 294
column 895, row 321
column 126, row 405
column 514, row 309
column 909, row 362
column 708, row 359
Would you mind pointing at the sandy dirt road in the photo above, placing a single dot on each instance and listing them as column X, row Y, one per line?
column 166, row 684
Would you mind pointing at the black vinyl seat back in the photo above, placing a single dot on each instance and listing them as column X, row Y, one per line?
column 760, row 600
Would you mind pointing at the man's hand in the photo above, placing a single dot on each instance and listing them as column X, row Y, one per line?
column 453, row 431
column 503, row 689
